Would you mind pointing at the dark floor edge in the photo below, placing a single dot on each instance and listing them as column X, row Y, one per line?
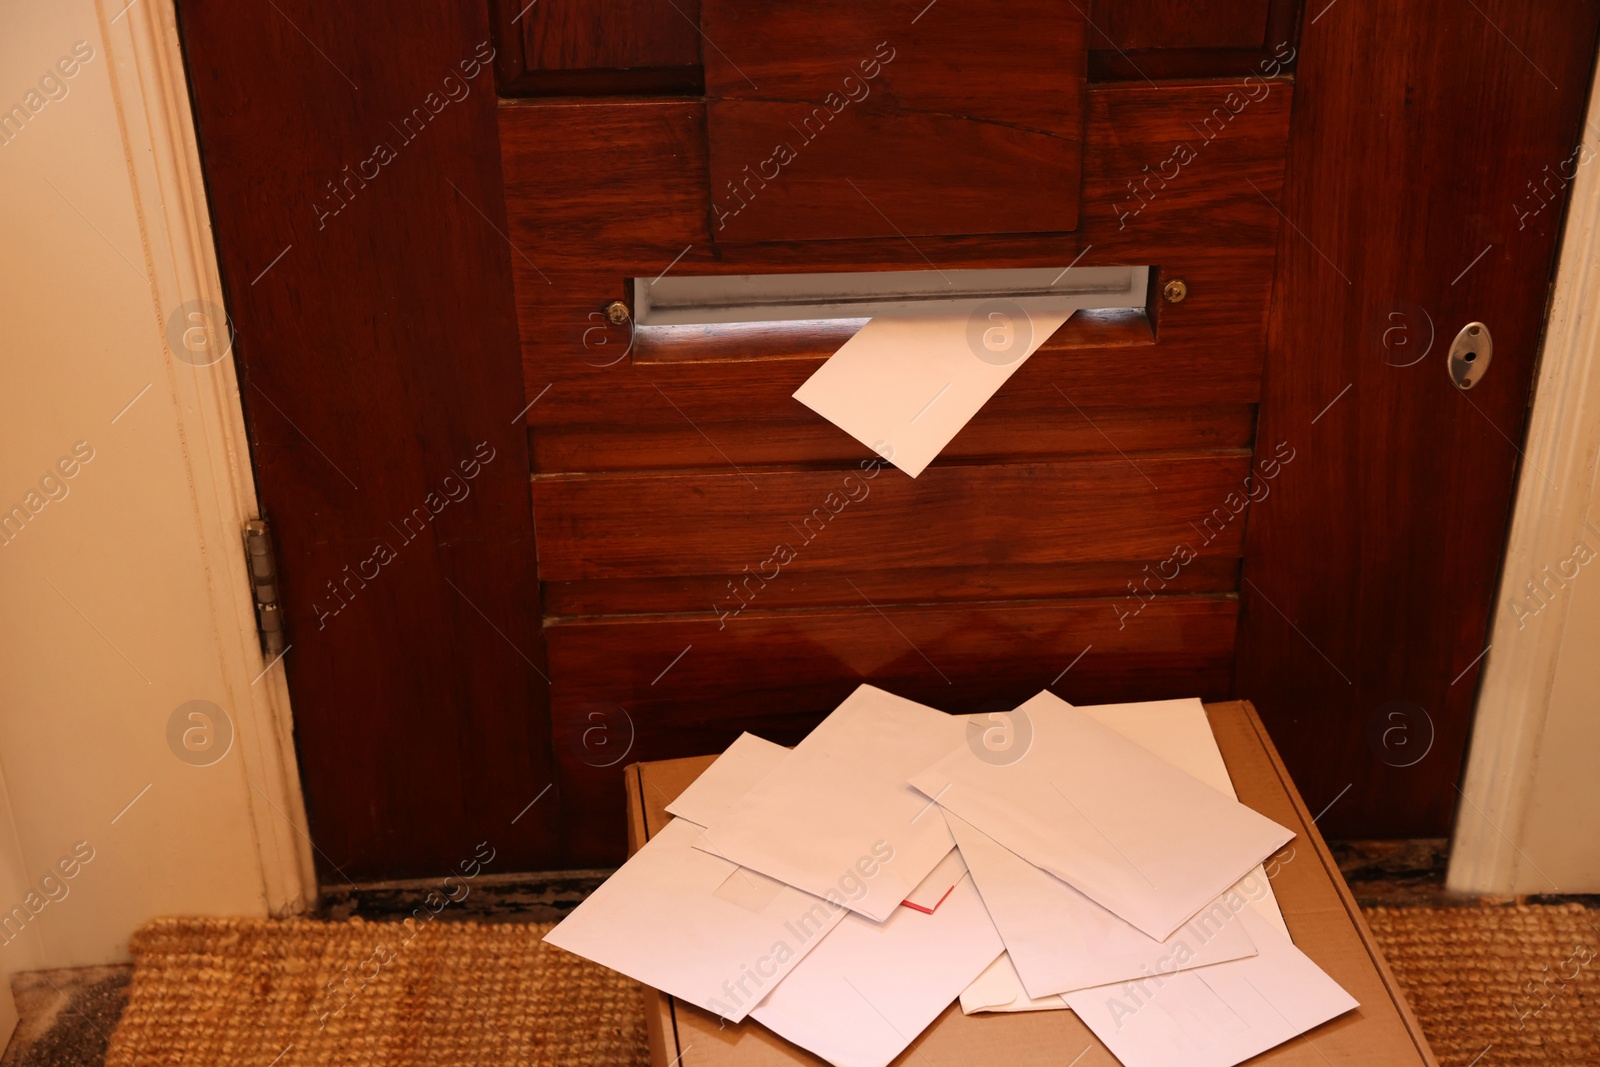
column 1400, row 873
column 534, row 897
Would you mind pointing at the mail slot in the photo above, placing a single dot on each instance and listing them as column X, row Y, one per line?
column 727, row 298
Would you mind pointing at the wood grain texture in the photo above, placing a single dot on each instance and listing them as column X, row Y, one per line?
column 1190, row 390
column 569, row 167
column 804, row 587
column 1187, row 391
column 862, row 172
column 651, row 525
column 1133, row 25
column 1032, row 420
column 1168, row 170
column 624, row 181
column 597, row 47
column 831, row 119
column 779, row 673
column 1371, row 573
column 1154, row 40
column 1039, row 522
column 377, row 347
column 369, row 375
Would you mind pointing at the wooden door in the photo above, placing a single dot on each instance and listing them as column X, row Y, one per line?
column 657, row 547
column 1427, row 193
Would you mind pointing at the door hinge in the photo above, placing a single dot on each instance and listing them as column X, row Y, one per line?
column 263, row 568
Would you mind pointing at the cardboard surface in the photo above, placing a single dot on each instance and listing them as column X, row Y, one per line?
column 1323, row 920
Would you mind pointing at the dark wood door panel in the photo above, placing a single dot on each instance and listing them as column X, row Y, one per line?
column 615, row 47
column 1399, row 505
column 1190, row 386
column 376, row 346
column 636, row 566
column 610, row 401
column 569, row 167
column 1140, row 40
column 679, row 685
column 604, row 47
column 597, row 47
column 591, row 34
column 1179, row 166
column 1029, row 420
column 870, row 173
column 956, row 59
column 832, row 118
column 1132, row 25
column 597, row 182
column 392, row 327
column 1168, row 170
column 722, row 522
column 809, row 587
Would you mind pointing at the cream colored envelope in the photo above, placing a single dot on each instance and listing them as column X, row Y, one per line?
column 695, row 926
column 1179, row 732
column 1125, row 828
column 871, row 988
column 905, row 385
column 730, row 776
column 999, row 988
column 836, row 818
column 746, row 762
column 1215, row 1016
column 1060, row 940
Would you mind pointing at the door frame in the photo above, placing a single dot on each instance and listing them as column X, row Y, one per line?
column 1548, row 518
column 151, row 89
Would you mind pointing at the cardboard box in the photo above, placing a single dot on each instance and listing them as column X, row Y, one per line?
column 1322, row 916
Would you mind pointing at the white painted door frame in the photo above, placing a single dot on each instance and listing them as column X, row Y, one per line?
column 1549, row 518
column 148, row 80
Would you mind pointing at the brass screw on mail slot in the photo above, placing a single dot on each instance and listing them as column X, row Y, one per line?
column 617, row 312
column 1175, row 291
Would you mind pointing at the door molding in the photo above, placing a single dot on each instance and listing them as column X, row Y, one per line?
column 152, row 100
column 1548, row 518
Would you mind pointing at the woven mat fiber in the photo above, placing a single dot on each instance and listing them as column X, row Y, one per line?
column 1504, row 985
column 1499, row 986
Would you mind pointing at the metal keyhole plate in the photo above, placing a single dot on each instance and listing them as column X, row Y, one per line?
column 1470, row 354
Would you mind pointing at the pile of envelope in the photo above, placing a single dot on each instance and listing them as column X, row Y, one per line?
column 844, row 892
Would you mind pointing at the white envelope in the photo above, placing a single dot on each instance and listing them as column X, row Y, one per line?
column 999, row 988
column 1215, row 1016
column 685, row 922
column 836, row 818
column 1135, row 834
column 905, row 385
column 1179, row 732
column 1060, row 940
column 746, row 762
column 941, row 881
column 871, row 988
column 730, row 776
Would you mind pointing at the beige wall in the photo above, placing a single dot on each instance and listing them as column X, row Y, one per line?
column 114, row 596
